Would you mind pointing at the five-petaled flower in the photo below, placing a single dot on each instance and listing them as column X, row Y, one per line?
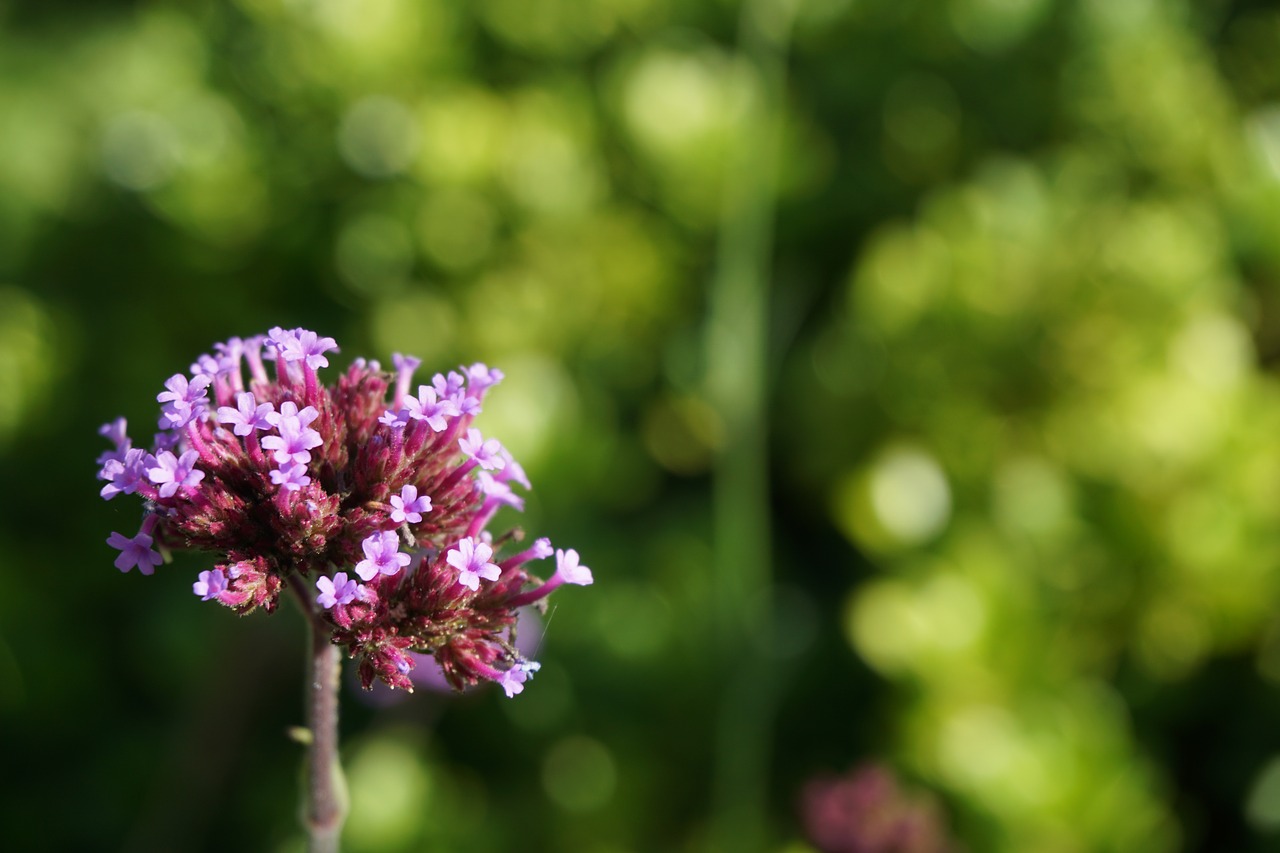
column 471, row 559
column 381, row 556
column 408, row 506
column 209, row 584
column 134, row 551
column 339, row 590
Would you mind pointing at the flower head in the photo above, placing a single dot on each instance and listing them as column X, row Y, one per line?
column 296, row 484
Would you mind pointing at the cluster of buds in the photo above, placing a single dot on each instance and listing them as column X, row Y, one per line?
column 368, row 502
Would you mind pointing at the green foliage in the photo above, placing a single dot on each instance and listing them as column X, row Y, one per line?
column 1024, row 429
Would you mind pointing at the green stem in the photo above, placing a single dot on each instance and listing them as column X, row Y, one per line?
column 737, row 383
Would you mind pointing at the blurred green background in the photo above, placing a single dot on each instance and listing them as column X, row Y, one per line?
column 905, row 370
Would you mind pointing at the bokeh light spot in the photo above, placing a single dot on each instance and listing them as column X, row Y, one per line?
column 29, row 357
column 1263, row 129
column 462, row 131
column 550, row 165
column 1214, row 350
column 378, row 137
column 374, row 254
column 579, row 774
column 682, row 434
column 546, row 702
column 922, row 114
column 989, row 26
column 906, row 270
column 1031, row 496
column 634, row 621
column 880, row 624
column 537, row 398
column 910, row 494
column 140, row 150
column 456, row 228
column 420, row 323
column 1262, row 808
column 390, row 791
column 675, row 99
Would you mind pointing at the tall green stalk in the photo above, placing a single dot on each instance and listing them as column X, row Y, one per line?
column 737, row 340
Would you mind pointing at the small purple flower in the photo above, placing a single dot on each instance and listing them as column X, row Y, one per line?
column 171, row 472
column 253, row 356
column 405, row 365
column 125, row 475
column 471, row 559
column 448, row 387
column 292, row 478
column 512, row 471
column 481, row 377
column 296, row 438
column 408, row 506
column 229, row 355
column 569, row 571
column 541, row 549
column 382, row 555
column 114, row 432
column 206, row 365
column 210, row 584
column 395, row 419
column 513, row 679
column 498, row 490
column 134, row 552
column 487, row 453
column 302, row 344
column 184, row 401
column 428, row 407
column 340, row 590
column 248, row 415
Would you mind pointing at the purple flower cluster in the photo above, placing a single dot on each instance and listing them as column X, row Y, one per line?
column 868, row 811
column 291, row 483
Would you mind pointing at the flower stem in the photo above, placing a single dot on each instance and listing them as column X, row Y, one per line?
column 326, row 803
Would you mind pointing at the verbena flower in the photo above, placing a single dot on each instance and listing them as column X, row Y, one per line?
column 868, row 811
column 294, row 484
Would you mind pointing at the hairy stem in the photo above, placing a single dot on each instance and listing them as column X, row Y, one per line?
column 326, row 802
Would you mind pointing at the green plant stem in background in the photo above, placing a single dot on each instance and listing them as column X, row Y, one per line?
column 737, row 349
